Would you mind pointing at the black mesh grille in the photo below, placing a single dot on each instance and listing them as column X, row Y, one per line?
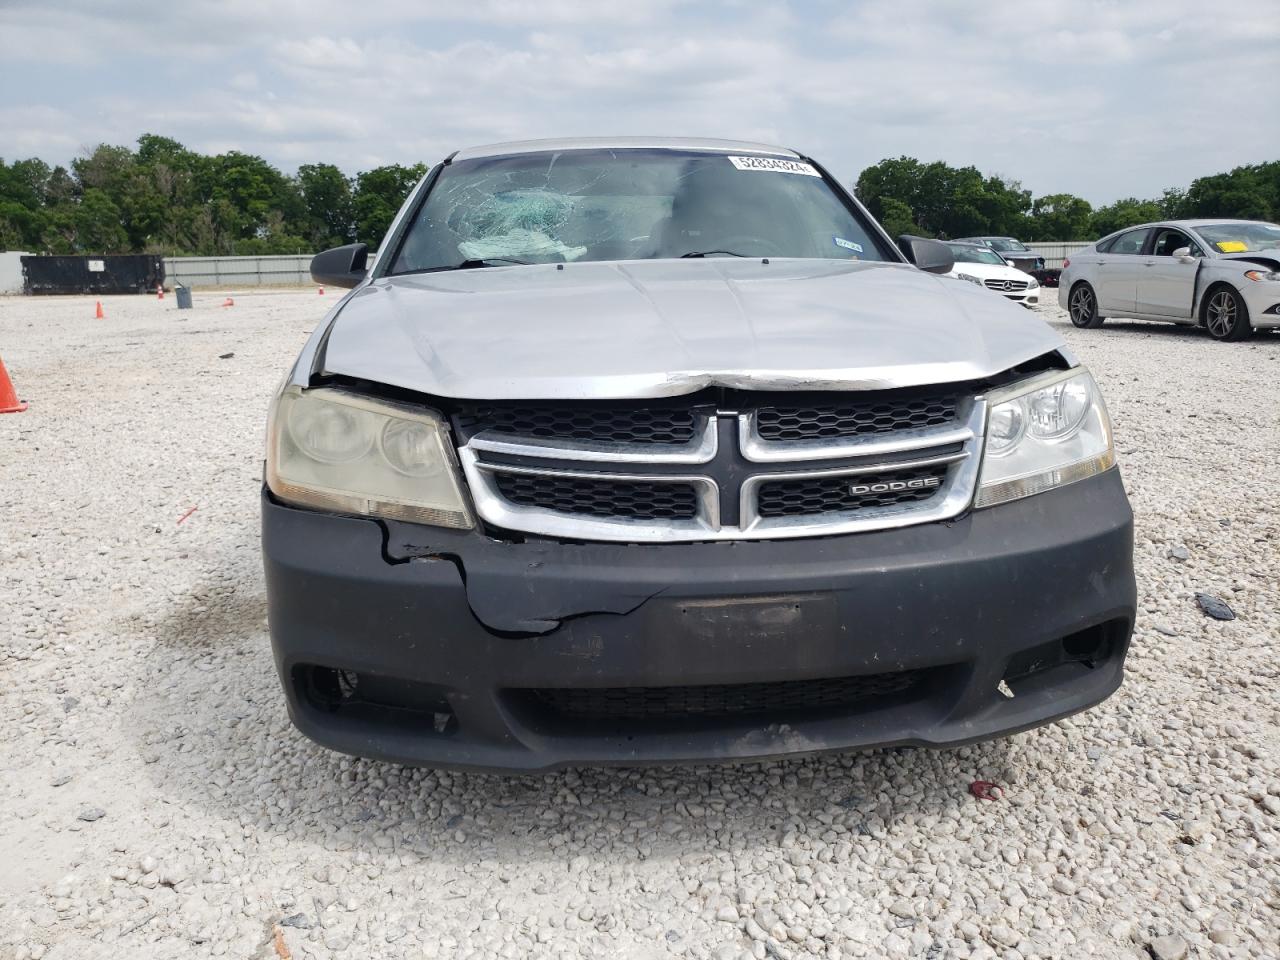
column 801, row 497
column 569, row 422
column 850, row 418
column 629, row 499
column 787, row 697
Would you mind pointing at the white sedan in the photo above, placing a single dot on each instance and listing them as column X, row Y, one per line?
column 1223, row 275
column 981, row 265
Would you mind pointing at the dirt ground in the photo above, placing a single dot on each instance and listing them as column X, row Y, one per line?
column 156, row 802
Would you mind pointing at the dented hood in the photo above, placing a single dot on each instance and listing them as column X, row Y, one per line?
column 656, row 328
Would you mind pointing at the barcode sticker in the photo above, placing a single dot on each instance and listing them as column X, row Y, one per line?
column 774, row 165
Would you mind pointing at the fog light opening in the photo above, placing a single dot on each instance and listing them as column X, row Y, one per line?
column 1085, row 646
column 376, row 699
column 330, row 689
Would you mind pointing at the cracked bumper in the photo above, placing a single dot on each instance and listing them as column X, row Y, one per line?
column 455, row 639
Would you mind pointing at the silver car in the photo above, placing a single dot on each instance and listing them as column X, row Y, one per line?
column 652, row 451
column 1014, row 251
column 1223, row 275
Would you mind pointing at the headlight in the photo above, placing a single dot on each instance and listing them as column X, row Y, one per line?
column 1258, row 276
column 971, row 279
column 331, row 450
column 1032, row 283
column 1043, row 433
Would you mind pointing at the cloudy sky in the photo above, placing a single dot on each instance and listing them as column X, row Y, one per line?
column 1101, row 99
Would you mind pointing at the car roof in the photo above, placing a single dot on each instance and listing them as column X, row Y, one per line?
column 1190, row 224
column 623, row 143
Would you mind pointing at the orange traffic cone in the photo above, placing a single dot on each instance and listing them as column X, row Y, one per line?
column 322, row 291
column 9, row 402
column 159, row 291
column 228, row 302
column 98, row 314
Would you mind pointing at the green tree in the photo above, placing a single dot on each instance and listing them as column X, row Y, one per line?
column 251, row 188
column 945, row 200
column 378, row 195
column 154, row 149
column 895, row 217
column 27, row 182
column 1123, row 213
column 1059, row 216
column 1171, row 202
column 22, row 213
column 106, row 168
column 330, row 205
column 1249, row 192
column 90, row 226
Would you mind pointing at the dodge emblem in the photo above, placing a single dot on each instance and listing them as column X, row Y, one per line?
column 894, row 486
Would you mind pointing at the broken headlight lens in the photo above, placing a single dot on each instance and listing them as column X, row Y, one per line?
column 1044, row 433
column 332, row 450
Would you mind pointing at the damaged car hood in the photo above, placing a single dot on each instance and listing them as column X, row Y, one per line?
column 1263, row 258
column 657, row 328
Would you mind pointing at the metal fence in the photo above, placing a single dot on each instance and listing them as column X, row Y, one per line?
column 295, row 269
column 1055, row 252
column 292, row 270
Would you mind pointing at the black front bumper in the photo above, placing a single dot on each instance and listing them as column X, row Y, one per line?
column 435, row 647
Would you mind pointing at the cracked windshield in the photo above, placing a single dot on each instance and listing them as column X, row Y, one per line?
column 626, row 205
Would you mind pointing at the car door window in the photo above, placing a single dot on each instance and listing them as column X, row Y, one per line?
column 1130, row 243
column 1170, row 240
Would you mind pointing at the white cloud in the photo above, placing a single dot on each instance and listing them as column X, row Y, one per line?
column 1098, row 98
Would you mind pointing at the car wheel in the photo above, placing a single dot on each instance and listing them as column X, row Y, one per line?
column 1225, row 315
column 1083, row 307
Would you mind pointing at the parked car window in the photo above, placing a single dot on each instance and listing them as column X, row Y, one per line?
column 580, row 205
column 1167, row 241
column 965, row 253
column 1241, row 237
column 1130, row 242
column 1007, row 245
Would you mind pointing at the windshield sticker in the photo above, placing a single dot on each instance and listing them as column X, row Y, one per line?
column 848, row 244
column 774, row 165
column 1232, row 246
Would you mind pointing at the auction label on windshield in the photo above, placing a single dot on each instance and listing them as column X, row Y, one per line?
column 774, row 165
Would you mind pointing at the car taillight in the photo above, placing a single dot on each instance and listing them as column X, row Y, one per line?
column 1066, row 263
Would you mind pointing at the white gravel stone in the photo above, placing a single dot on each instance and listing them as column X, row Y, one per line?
column 135, row 656
column 1169, row 948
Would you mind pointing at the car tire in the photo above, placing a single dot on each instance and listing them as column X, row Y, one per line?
column 1082, row 305
column 1225, row 315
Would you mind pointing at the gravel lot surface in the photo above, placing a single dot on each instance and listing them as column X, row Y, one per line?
column 156, row 803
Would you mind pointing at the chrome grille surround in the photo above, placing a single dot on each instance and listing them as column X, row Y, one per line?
column 1006, row 286
column 702, row 462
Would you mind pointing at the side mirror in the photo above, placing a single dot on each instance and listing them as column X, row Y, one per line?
column 1184, row 255
column 341, row 266
column 930, row 256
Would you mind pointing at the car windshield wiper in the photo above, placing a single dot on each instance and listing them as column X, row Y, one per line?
column 485, row 262
column 470, row 264
column 710, row 253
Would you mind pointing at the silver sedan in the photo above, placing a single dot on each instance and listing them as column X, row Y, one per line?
column 1223, row 275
